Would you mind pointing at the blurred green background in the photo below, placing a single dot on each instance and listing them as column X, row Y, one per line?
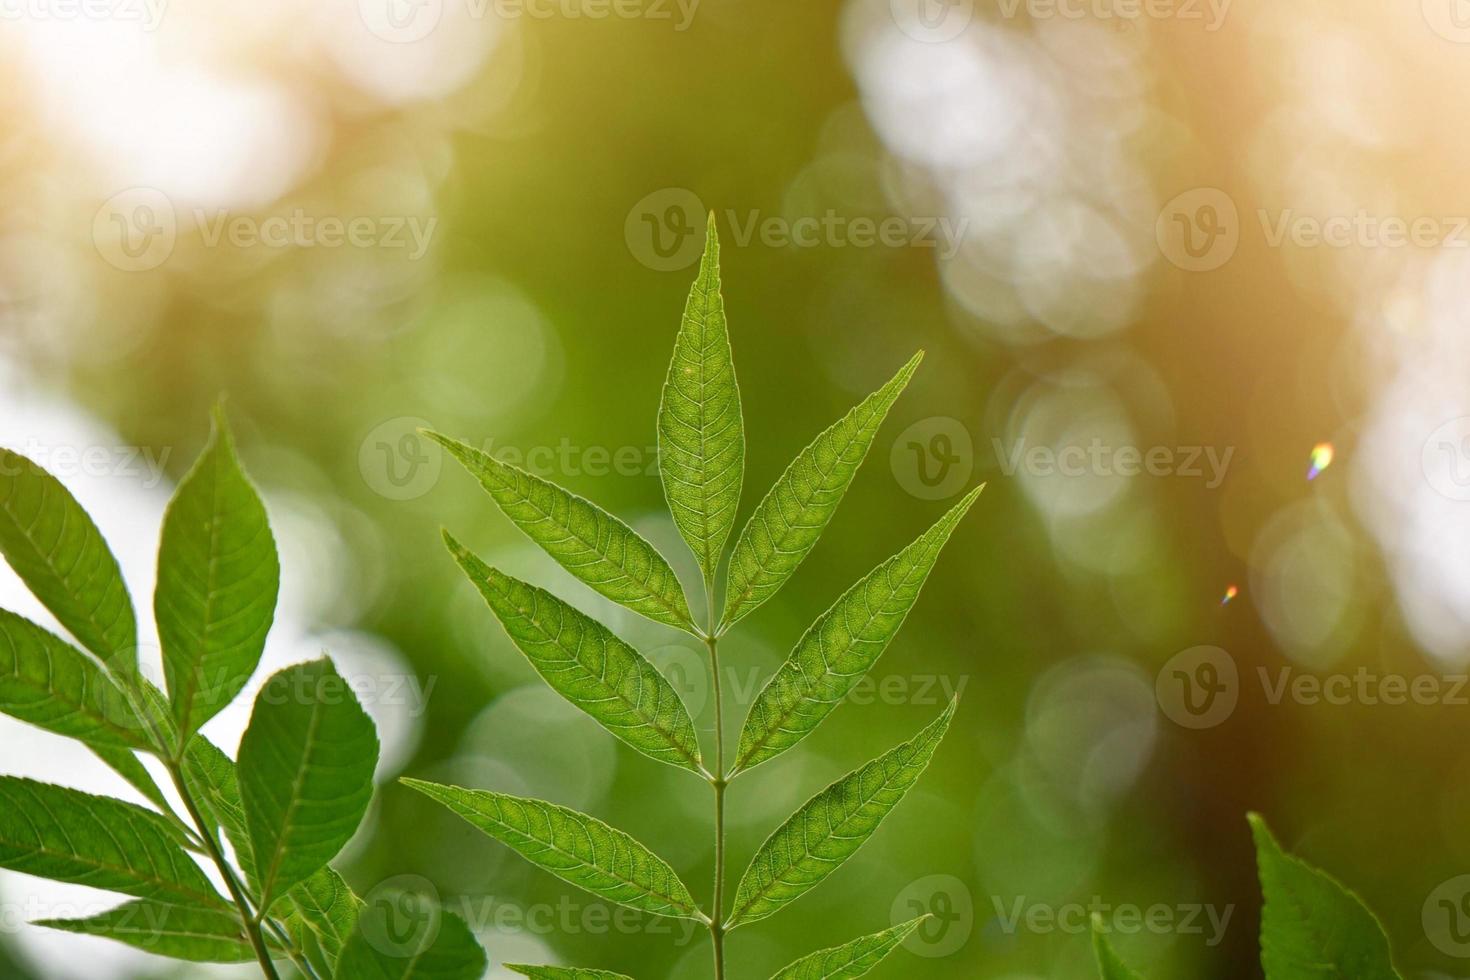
column 1085, row 246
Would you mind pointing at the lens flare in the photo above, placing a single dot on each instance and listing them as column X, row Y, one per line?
column 1322, row 454
column 1230, row 593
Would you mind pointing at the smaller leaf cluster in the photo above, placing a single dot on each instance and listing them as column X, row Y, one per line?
column 1312, row 926
column 285, row 808
column 701, row 438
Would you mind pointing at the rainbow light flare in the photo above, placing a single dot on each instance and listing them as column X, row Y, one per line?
column 1321, row 457
column 1230, row 593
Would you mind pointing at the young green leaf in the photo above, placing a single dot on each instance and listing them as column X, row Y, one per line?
column 589, row 666
column 305, row 772
column 218, row 577
column 584, row 539
column 563, row 973
column 183, row 933
column 701, row 434
column 325, row 912
column 840, row 648
column 212, row 782
column 58, row 552
column 451, row 953
column 573, row 846
column 794, row 512
column 66, row 835
column 831, row 827
column 1312, row 926
column 850, row 960
column 47, row 682
column 1108, row 962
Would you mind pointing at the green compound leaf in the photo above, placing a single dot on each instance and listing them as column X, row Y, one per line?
column 1109, row 965
column 305, row 773
column 849, row 960
column 573, row 846
column 701, row 435
column 589, row 666
column 1312, row 927
column 47, row 682
column 182, row 933
column 58, row 552
column 792, row 515
column 450, row 953
column 584, row 539
column 324, row 915
column 218, row 577
column 66, row 835
column 563, row 973
column 840, row 648
column 832, row 826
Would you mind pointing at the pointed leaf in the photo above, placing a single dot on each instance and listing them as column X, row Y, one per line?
column 831, row 827
column 325, row 912
column 573, row 846
column 701, row 435
column 1312, row 926
column 306, row 774
column 66, row 835
column 589, row 666
column 1109, row 964
column 563, row 973
column 58, row 552
column 218, row 576
column 449, row 953
column 849, row 960
column 794, row 512
column 47, row 682
column 840, row 647
column 180, row 932
column 586, row 540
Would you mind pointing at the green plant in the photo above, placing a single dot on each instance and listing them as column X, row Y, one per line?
column 303, row 779
column 1312, row 926
column 701, row 460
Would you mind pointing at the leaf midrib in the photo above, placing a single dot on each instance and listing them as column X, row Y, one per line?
column 672, row 901
column 789, row 710
column 763, row 891
column 653, row 724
